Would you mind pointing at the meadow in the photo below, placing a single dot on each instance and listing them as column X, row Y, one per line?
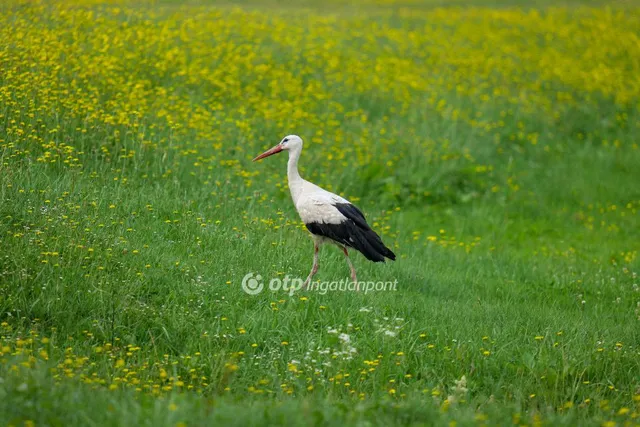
column 494, row 147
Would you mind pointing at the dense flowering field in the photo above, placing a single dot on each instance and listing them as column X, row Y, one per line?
column 496, row 149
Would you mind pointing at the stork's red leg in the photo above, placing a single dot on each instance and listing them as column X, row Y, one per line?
column 353, row 270
column 314, row 269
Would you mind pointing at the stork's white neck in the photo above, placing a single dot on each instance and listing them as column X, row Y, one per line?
column 295, row 180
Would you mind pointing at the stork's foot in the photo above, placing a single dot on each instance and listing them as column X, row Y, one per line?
column 314, row 268
column 306, row 283
column 353, row 270
column 355, row 279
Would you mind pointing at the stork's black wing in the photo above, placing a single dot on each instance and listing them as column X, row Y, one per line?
column 354, row 214
column 353, row 232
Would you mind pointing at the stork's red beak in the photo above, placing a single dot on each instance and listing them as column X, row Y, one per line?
column 269, row 152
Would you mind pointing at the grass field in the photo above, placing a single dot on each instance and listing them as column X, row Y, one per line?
column 494, row 147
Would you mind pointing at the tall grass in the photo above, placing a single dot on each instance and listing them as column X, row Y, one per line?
column 495, row 149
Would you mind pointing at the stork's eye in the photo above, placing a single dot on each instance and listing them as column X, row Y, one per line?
column 285, row 140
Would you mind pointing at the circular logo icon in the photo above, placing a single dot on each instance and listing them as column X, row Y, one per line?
column 252, row 285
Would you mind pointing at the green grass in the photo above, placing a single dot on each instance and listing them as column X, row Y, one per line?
column 121, row 259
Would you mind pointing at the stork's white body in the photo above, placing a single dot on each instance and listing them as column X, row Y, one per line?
column 314, row 204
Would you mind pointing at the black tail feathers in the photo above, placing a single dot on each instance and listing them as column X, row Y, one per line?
column 371, row 246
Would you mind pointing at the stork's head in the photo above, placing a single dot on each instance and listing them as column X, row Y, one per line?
column 289, row 142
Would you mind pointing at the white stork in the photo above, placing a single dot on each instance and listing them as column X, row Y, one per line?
column 329, row 217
